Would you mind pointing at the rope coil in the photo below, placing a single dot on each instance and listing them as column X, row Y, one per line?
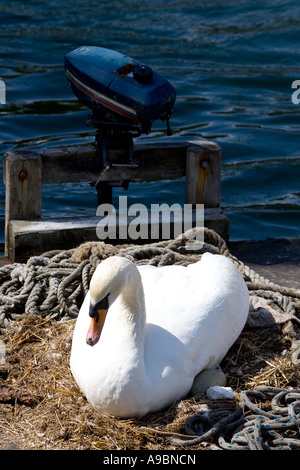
column 256, row 431
column 57, row 281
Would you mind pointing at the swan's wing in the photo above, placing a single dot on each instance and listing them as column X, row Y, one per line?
column 208, row 296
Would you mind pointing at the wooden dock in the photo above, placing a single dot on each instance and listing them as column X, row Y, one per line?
column 25, row 171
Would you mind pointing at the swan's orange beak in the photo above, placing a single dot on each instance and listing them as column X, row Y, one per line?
column 95, row 328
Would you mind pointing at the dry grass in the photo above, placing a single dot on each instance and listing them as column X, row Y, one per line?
column 42, row 407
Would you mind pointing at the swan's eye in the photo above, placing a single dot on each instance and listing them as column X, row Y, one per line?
column 101, row 305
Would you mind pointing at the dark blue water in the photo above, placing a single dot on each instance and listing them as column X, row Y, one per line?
column 233, row 64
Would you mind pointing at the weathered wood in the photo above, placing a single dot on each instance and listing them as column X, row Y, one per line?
column 23, row 181
column 203, row 177
column 26, row 171
column 35, row 237
column 154, row 161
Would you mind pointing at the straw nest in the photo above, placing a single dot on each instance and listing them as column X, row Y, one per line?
column 42, row 407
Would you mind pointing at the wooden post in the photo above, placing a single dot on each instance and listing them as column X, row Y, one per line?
column 203, row 175
column 23, row 188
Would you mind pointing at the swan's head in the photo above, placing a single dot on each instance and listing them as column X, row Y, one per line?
column 108, row 281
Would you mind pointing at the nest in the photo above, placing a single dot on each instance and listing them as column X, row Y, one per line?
column 42, row 407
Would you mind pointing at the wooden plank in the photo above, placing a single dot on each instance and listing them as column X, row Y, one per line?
column 153, row 163
column 80, row 163
column 155, row 160
column 36, row 237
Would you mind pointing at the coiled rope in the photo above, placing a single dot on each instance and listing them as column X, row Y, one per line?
column 260, row 430
column 57, row 281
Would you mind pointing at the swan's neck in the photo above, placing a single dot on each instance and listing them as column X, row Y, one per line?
column 122, row 345
column 132, row 313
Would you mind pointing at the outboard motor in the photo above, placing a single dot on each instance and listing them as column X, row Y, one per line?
column 126, row 97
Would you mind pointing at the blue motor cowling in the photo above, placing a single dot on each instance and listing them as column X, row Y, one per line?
column 118, row 88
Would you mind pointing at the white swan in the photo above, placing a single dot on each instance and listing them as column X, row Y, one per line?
column 163, row 326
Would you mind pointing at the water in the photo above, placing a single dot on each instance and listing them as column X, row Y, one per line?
column 233, row 64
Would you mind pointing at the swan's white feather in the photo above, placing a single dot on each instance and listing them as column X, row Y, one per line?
column 164, row 326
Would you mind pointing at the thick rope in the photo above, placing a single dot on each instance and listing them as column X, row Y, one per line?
column 260, row 430
column 56, row 282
